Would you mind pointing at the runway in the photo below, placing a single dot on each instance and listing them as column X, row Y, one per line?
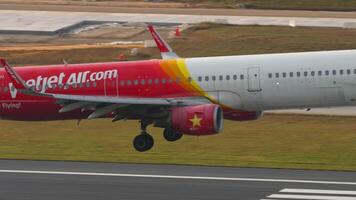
column 53, row 22
column 176, row 11
column 76, row 180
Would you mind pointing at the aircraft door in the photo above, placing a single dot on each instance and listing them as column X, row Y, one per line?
column 254, row 82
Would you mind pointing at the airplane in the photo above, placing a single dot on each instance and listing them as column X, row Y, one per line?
column 184, row 96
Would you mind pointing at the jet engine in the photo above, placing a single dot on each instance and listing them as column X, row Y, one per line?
column 199, row 120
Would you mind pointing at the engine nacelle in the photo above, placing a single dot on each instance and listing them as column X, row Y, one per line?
column 206, row 119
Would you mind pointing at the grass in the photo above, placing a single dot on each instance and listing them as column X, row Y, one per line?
column 287, row 141
column 279, row 141
column 209, row 40
column 216, row 40
column 328, row 5
column 331, row 5
column 314, row 5
column 56, row 57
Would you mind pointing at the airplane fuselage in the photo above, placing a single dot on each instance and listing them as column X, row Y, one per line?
column 239, row 83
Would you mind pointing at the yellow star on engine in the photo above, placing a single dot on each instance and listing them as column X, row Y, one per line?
column 196, row 121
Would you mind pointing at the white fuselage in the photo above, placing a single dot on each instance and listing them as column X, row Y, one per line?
column 278, row 81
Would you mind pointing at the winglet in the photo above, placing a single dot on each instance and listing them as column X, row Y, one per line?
column 164, row 48
column 17, row 80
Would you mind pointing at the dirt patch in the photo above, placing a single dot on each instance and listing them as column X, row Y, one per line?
column 68, row 47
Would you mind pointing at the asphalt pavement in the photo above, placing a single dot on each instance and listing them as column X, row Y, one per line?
column 177, row 11
column 84, row 180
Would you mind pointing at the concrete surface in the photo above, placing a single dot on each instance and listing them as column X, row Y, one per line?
column 115, row 7
column 51, row 22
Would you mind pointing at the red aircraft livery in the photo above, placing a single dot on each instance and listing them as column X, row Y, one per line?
column 159, row 92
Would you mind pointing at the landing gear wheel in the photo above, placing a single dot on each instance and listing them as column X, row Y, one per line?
column 171, row 135
column 143, row 142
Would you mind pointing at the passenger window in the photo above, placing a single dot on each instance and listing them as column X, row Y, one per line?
column 291, row 74
column 320, row 73
column 354, row 71
column 149, row 81
column 341, row 72
column 94, row 84
column 170, row 80
column 6, row 89
column 305, row 73
column 200, row 79
column 284, row 74
column 163, row 81
column 128, row 82
column 241, row 76
column 312, row 73
column 80, row 85
column 334, row 72
column 298, row 74
column 227, row 77
column 270, row 75
column 88, row 84
column 221, row 78
column 327, row 72
column 143, row 82
column 213, row 78
column 235, row 77
column 189, row 79
column 156, row 81
column 135, row 82
column 207, row 78
column 277, row 75
column 348, row 71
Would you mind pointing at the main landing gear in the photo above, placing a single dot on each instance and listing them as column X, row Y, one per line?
column 144, row 141
column 171, row 135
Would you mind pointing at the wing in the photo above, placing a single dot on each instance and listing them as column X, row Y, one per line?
column 164, row 48
column 101, row 105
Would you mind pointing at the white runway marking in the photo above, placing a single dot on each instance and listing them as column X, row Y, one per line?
column 314, row 197
column 314, row 194
column 177, row 177
column 309, row 191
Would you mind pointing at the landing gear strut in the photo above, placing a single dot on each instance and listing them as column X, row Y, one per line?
column 171, row 135
column 144, row 141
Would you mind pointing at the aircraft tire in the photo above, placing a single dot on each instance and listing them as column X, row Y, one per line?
column 143, row 142
column 171, row 135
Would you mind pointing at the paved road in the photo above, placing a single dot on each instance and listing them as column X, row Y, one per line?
column 182, row 11
column 73, row 180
